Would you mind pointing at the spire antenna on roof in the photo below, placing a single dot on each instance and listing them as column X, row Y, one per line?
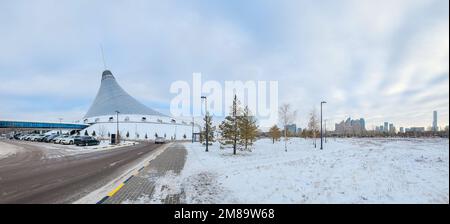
column 103, row 56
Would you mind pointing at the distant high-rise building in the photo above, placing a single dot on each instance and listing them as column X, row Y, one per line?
column 391, row 128
column 402, row 130
column 350, row 126
column 292, row 129
column 415, row 129
column 362, row 123
column 386, row 127
column 434, row 127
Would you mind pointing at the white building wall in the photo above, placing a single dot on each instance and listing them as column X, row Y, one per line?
column 138, row 128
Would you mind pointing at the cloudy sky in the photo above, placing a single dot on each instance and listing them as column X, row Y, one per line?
column 384, row 60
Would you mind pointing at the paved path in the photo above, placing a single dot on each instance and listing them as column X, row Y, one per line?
column 27, row 178
column 143, row 184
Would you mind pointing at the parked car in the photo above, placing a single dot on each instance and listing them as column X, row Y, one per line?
column 58, row 139
column 39, row 138
column 69, row 140
column 49, row 138
column 85, row 141
column 28, row 138
column 160, row 140
column 34, row 137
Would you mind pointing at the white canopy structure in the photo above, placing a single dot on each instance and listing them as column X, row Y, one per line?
column 111, row 98
column 136, row 120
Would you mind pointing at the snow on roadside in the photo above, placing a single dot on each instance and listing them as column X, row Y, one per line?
column 57, row 150
column 346, row 171
column 7, row 149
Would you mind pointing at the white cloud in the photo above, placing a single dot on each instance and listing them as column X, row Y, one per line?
column 367, row 58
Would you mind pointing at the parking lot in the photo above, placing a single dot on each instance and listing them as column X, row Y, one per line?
column 51, row 150
column 39, row 172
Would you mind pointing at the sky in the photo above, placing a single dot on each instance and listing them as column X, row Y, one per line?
column 381, row 60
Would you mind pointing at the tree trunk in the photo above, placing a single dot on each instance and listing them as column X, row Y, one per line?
column 285, row 138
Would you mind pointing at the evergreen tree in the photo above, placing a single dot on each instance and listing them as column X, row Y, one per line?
column 275, row 133
column 156, row 135
column 109, row 134
column 128, row 134
column 248, row 130
column 86, row 133
column 208, row 122
column 93, row 133
column 146, row 137
column 229, row 127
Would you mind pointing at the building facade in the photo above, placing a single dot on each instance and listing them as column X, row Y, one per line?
column 434, row 127
column 114, row 110
column 351, row 127
column 291, row 129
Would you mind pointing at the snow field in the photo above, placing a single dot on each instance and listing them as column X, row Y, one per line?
column 346, row 171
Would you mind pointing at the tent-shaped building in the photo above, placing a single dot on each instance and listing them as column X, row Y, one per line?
column 136, row 120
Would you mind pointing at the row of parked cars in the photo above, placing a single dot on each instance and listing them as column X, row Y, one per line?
column 59, row 139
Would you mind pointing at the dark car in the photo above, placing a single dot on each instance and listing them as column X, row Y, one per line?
column 17, row 136
column 86, row 140
column 49, row 138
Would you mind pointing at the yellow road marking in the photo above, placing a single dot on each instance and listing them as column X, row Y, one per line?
column 112, row 193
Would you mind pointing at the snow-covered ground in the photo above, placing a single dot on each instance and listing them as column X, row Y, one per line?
column 8, row 149
column 51, row 150
column 346, row 171
column 58, row 150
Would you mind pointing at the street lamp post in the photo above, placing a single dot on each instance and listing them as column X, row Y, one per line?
column 206, row 122
column 326, row 131
column 175, row 134
column 321, row 130
column 192, row 136
column 117, row 132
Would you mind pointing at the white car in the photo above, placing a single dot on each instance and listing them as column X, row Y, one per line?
column 29, row 137
column 58, row 139
column 23, row 137
column 69, row 140
column 160, row 140
column 34, row 137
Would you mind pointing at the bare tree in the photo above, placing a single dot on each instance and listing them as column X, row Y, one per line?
column 313, row 125
column 102, row 131
column 287, row 116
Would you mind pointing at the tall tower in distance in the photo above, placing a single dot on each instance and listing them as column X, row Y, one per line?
column 434, row 127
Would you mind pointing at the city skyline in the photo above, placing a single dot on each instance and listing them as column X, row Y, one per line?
column 377, row 60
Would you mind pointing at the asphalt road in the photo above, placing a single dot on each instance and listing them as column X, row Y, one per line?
column 28, row 178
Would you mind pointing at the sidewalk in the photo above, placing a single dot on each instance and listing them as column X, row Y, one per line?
column 141, row 187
